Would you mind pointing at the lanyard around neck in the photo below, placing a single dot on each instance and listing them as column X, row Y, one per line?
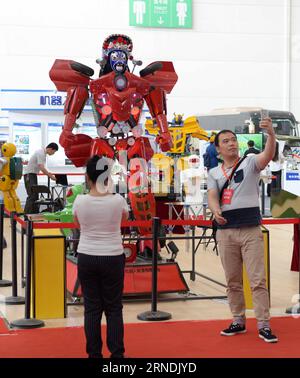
column 233, row 168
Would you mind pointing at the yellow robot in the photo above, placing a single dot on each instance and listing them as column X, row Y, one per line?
column 162, row 170
column 11, row 169
column 181, row 132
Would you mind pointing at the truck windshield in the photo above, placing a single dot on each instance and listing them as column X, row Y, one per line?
column 248, row 122
column 284, row 127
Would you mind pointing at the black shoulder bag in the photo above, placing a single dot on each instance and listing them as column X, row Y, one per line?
column 214, row 223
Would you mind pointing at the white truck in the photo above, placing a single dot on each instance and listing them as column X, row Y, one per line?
column 245, row 120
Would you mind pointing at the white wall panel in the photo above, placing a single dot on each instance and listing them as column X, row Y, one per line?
column 239, row 17
column 229, row 79
column 66, row 13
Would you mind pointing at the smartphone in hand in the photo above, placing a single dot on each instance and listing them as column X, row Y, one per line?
column 264, row 113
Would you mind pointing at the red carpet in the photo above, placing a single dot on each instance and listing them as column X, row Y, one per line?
column 184, row 339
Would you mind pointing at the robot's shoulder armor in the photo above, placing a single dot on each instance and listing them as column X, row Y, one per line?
column 67, row 73
column 160, row 74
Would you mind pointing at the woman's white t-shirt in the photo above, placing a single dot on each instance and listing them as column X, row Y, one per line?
column 100, row 219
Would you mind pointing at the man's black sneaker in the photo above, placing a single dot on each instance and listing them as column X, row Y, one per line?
column 233, row 329
column 266, row 334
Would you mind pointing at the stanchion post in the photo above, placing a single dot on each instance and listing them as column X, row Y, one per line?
column 28, row 322
column 154, row 315
column 155, row 230
column 3, row 283
column 296, row 308
column 23, row 233
column 192, row 274
column 14, row 299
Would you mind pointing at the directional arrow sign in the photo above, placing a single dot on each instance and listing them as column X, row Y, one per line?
column 160, row 20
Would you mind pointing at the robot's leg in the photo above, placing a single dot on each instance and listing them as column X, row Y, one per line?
column 143, row 208
column 5, row 187
column 8, row 201
column 17, row 204
column 141, row 199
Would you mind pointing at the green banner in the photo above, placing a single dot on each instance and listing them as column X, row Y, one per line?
column 161, row 13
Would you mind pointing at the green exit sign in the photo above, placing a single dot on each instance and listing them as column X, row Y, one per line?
column 161, row 13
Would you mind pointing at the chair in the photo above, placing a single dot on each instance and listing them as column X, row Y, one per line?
column 45, row 197
column 59, row 191
column 207, row 239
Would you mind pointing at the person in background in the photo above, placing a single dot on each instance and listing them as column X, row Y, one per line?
column 35, row 165
column 240, row 240
column 210, row 157
column 251, row 149
column 275, row 166
column 101, row 259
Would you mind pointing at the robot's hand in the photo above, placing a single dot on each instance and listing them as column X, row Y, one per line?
column 165, row 141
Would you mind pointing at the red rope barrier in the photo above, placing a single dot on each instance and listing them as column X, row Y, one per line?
column 171, row 222
column 41, row 225
column 7, row 212
column 187, row 222
column 64, row 173
column 281, row 221
column 16, row 218
column 136, row 224
column 166, row 222
column 20, row 221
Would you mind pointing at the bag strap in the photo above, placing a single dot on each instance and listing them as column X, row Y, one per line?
column 231, row 175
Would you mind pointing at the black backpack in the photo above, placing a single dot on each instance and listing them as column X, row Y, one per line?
column 16, row 168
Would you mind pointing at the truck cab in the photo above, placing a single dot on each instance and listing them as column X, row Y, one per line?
column 245, row 120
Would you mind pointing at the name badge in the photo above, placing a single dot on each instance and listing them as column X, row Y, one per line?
column 227, row 196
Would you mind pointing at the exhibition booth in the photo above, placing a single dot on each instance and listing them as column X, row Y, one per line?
column 35, row 119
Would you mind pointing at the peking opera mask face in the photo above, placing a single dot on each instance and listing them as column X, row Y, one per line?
column 118, row 61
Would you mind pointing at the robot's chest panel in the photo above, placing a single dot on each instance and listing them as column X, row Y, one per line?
column 119, row 104
column 122, row 102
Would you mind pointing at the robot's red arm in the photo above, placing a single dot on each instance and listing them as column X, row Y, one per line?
column 66, row 78
column 156, row 102
column 76, row 99
column 75, row 83
column 162, row 77
column 67, row 73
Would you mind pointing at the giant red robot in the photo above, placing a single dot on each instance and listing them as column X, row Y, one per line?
column 117, row 98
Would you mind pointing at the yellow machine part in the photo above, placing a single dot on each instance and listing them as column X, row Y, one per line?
column 48, row 287
column 246, row 284
column 163, row 174
column 179, row 133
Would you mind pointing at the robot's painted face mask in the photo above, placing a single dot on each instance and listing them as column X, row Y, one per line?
column 118, row 61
